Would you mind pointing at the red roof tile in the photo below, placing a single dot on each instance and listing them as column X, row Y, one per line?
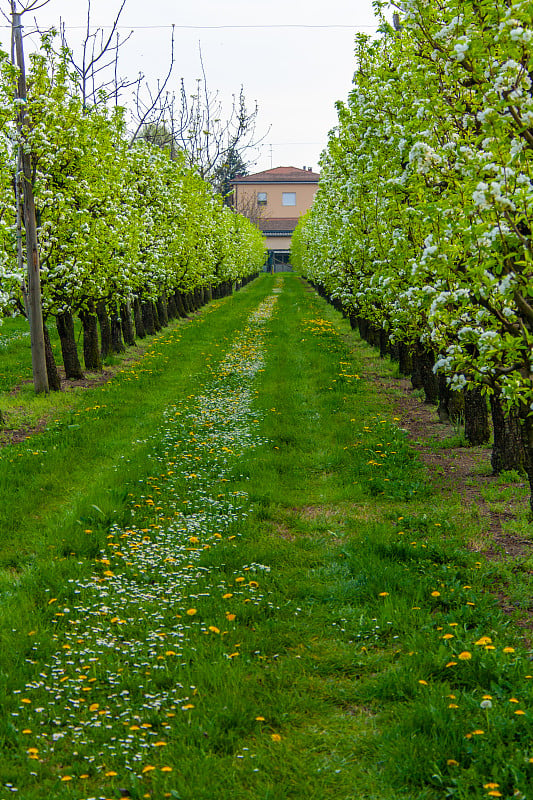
column 280, row 175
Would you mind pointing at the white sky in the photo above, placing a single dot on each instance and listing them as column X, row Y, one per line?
column 294, row 73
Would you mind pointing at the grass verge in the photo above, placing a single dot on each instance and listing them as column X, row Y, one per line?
column 267, row 602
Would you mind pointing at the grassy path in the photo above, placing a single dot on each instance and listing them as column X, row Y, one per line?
column 243, row 588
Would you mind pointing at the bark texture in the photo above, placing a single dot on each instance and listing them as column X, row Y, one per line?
column 54, row 381
column 91, row 351
column 508, row 451
column 69, row 351
column 105, row 328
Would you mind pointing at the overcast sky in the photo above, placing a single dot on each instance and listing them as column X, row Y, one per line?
column 294, row 57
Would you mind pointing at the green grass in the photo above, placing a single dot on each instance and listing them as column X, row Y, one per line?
column 336, row 609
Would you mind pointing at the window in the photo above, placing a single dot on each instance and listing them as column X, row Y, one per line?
column 261, row 198
column 288, row 199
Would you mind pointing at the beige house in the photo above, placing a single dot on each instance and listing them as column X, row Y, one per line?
column 275, row 199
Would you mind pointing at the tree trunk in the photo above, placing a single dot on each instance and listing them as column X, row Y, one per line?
column 477, row 430
column 430, row 382
column 105, row 328
column 508, row 451
column 405, row 359
column 162, row 312
column 148, row 317
column 383, row 342
column 527, row 439
column 137, row 315
column 172, row 311
column 91, row 353
column 416, row 372
column 157, row 323
column 54, row 381
column 179, row 304
column 126, row 322
column 451, row 404
column 117, row 345
column 71, row 361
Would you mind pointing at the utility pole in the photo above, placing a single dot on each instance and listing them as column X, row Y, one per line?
column 24, row 175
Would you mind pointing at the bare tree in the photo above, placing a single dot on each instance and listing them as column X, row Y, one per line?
column 96, row 66
column 212, row 140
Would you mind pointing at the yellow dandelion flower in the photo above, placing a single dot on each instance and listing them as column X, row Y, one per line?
column 508, row 649
column 513, row 700
column 448, row 636
column 66, row 778
column 94, row 706
column 160, row 744
column 111, row 774
column 260, row 719
column 166, row 769
column 26, row 730
column 230, row 617
column 147, row 768
column 214, row 629
column 451, row 762
column 483, row 641
column 453, row 705
column 25, row 700
column 383, row 594
column 276, row 737
column 253, row 584
column 187, row 707
column 520, row 712
column 227, row 595
column 191, row 612
column 465, row 656
column 424, row 683
column 435, row 594
column 494, row 793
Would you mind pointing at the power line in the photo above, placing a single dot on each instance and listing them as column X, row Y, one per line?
column 218, row 27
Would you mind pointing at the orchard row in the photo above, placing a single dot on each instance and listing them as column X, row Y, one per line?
column 124, row 231
column 421, row 228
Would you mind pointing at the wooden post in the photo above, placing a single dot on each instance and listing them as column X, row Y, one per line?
column 38, row 356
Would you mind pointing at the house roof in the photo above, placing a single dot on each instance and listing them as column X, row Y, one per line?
column 278, row 225
column 280, row 175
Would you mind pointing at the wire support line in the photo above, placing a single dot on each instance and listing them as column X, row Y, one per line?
column 218, row 27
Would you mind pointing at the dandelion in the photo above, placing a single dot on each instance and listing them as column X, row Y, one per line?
column 276, row 737
column 508, row 650
column 383, row 594
column 448, row 636
column 435, row 594
column 227, row 595
column 260, row 719
column 187, row 707
column 191, row 612
column 424, row 683
column 230, row 617
column 465, row 656
column 520, row 713
column 111, row 774
column 214, row 629
column 147, row 768
column 166, row 769
column 485, row 704
column 451, row 762
column 484, row 641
